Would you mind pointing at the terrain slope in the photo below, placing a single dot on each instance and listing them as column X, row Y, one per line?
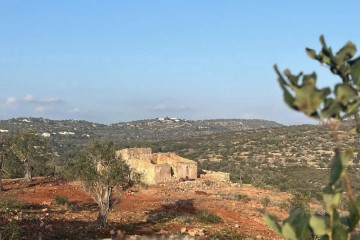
column 213, row 209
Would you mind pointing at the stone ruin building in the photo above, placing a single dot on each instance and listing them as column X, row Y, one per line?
column 158, row 167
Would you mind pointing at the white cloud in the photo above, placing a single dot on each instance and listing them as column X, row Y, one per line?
column 40, row 109
column 10, row 100
column 75, row 110
column 31, row 99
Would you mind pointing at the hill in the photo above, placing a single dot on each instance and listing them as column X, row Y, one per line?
column 152, row 129
column 257, row 152
column 288, row 158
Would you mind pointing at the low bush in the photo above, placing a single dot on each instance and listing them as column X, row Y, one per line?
column 7, row 204
column 10, row 231
column 206, row 216
column 62, row 200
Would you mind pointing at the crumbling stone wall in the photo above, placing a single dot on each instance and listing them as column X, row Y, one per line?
column 162, row 173
column 134, row 153
column 215, row 176
column 144, row 168
column 158, row 167
column 182, row 168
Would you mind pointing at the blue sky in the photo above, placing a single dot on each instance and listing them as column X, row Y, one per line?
column 112, row 61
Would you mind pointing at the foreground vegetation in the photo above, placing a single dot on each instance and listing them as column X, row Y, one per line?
column 330, row 105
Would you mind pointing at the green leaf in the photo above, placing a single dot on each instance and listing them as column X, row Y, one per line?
column 293, row 79
column 289, row 99
column 288, row 232
column 353, row 107
column 318, row 225
column 345, row 53
column 309, row 79
column 324, row 58
column 355, row 71
column 311, row 53
column 308, row 97
column 345, row 93
column 339, row 233
column 271, row 222
column 358, row 201
column 331, row 108
column 299, row 222
column 281, row 79
column 354, row 216
column 339, row 164
column 322, row 41
column 331, row 201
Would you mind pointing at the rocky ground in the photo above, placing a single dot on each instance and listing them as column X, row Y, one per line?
column 193, row 208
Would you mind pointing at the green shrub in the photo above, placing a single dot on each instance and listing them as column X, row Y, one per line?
column 300, row 200
column 11, row 204
column 226, row 234
column 62, row 200
column 243, row 198
column 206, row 216
column 265, row 201
column 10, row 231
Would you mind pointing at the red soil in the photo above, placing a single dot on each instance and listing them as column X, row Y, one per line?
column 133, row 212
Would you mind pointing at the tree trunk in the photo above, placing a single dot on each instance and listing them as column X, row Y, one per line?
column 28, row 170
column 104, row 205
column 1, row 185
column 2, row 158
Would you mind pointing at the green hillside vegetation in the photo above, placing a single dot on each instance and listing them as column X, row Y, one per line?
column 258, row 152
column 69, row 136
column 294, row 158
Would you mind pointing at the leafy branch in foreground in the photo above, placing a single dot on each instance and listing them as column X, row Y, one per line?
column 330, row 107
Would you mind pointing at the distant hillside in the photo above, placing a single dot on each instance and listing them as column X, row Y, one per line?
column 288, row 158
column 153, row 129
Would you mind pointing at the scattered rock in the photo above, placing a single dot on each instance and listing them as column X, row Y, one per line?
column 183, row 230
column 196, row 232
column 120, row 234
column 201, row 193
column 49, row 227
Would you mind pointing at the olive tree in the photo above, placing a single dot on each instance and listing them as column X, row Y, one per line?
column 100, row 172
column 32, row 151
column 2, row 159
column 331, row 106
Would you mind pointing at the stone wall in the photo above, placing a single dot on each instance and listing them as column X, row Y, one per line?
column 182, row 168
column 215, row 176
column 162, row 173
column 144, row 168
column 133, row 153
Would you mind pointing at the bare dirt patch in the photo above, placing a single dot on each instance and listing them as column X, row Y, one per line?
column 158, row 210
